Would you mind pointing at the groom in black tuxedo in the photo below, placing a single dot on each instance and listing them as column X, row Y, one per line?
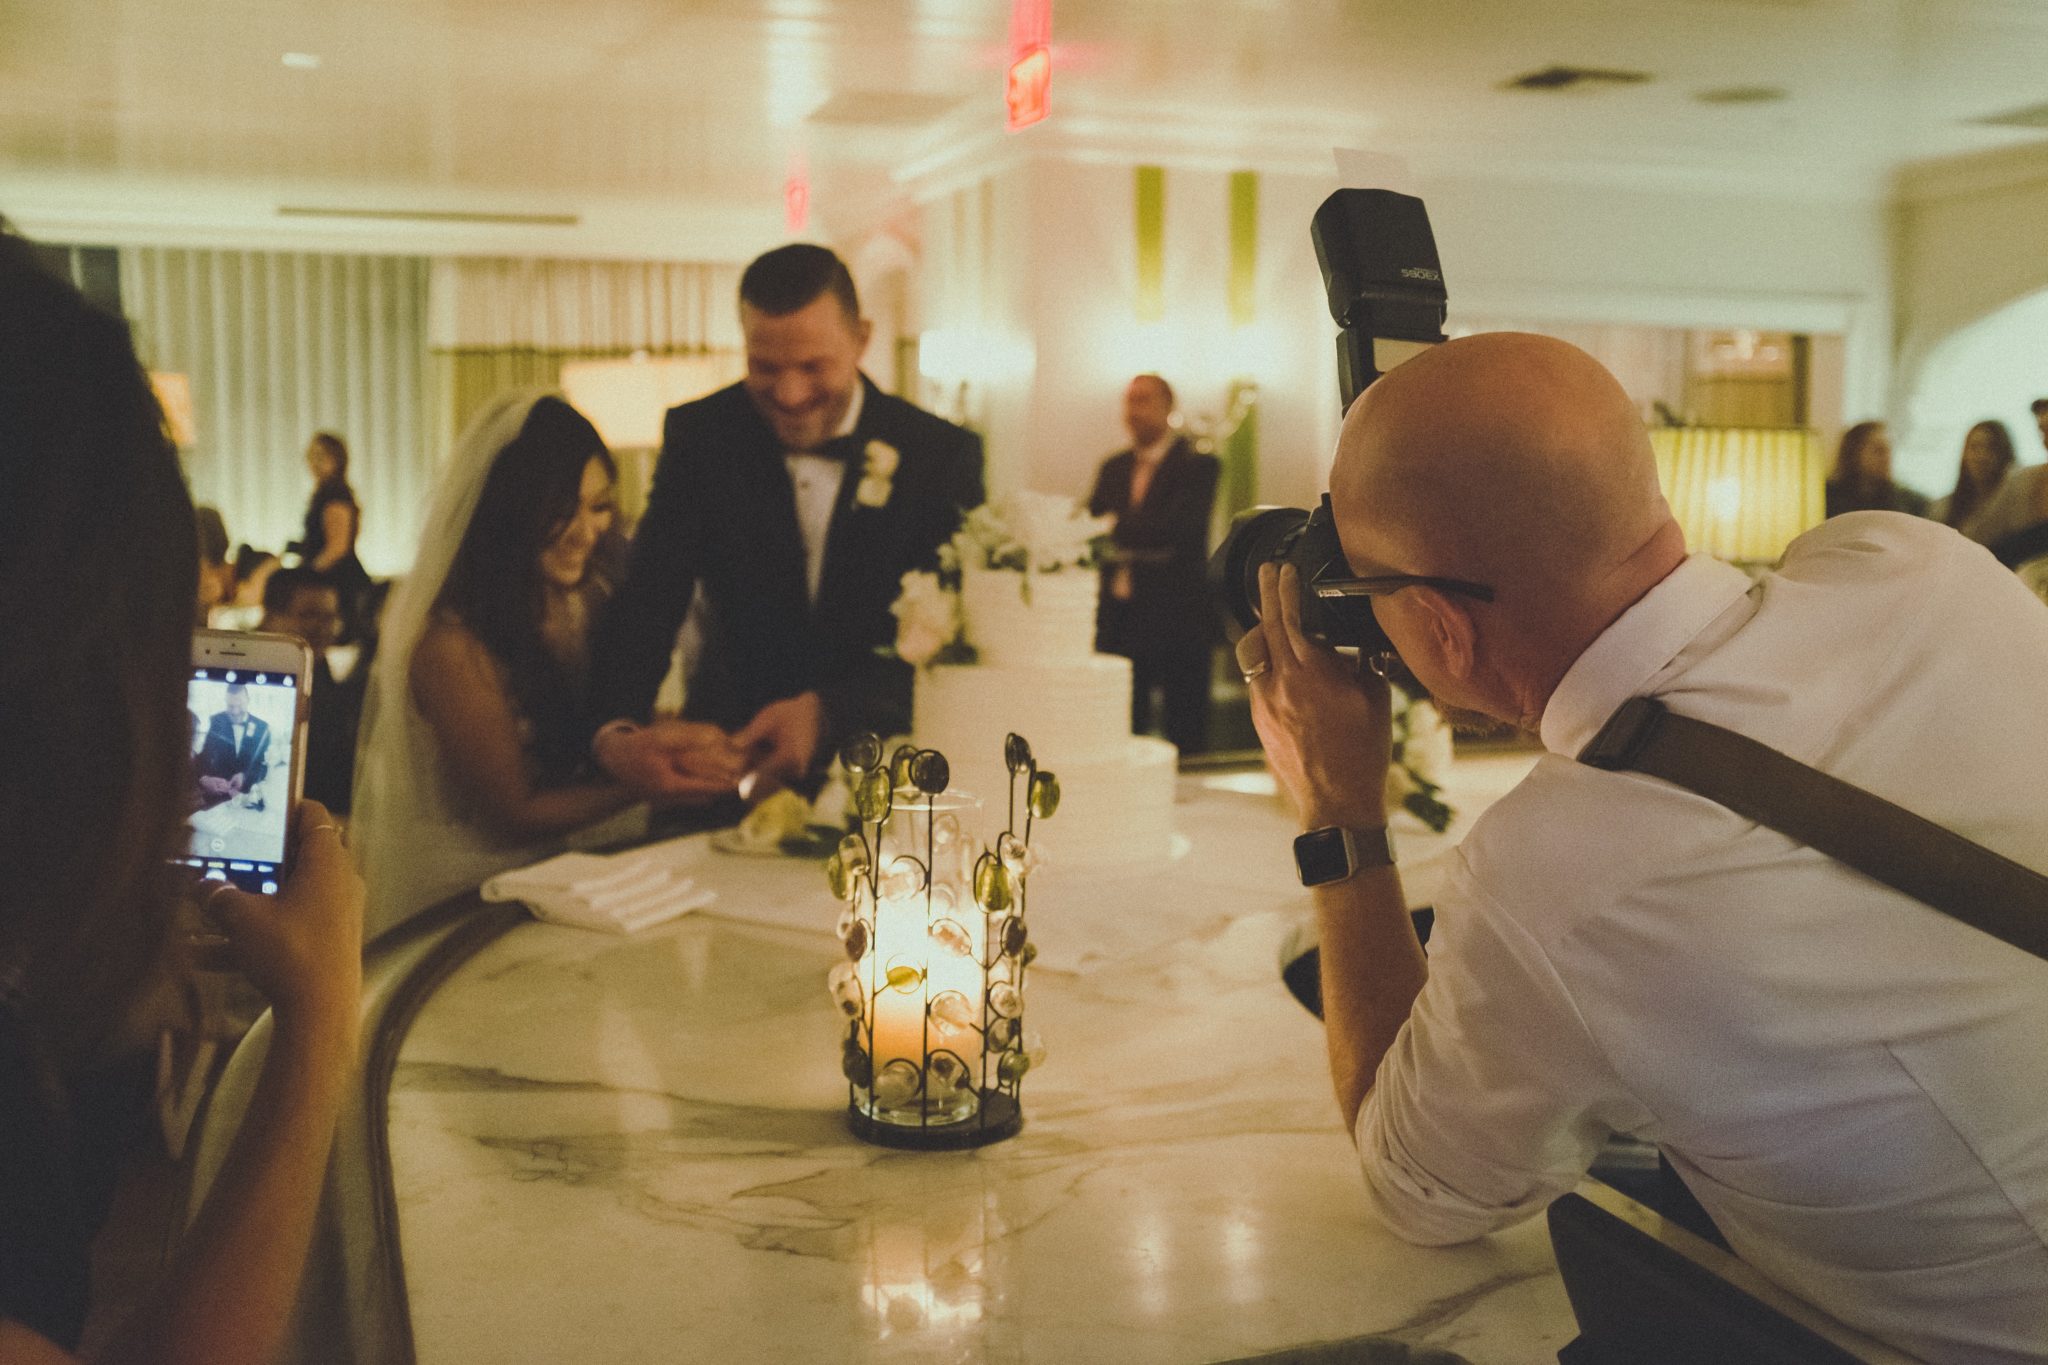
column 797, row 498
column 235, row 756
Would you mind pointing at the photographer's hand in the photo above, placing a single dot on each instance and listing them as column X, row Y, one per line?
column 1326, row 725
column 1327, row 731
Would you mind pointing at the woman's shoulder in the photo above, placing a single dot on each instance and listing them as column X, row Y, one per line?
column 449, row 648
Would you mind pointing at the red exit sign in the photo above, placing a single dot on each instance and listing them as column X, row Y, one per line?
column 1030, row 88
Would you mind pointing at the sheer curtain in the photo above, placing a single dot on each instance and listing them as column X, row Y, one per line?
column 279, row 345
column 509, row 322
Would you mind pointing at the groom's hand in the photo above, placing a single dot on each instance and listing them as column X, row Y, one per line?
column 781, row 740
column 678, row 761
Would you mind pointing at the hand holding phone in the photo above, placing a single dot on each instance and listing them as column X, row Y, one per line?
column 303, row 947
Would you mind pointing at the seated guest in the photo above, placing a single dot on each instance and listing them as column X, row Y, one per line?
column 1862, row 477
column 216, row 574
column 93, row 667
column 476, row 744
column 244, row 606
column 1853, row 1084
column 1987, row 456
column 299, row 602
column 2011, row 522
column 234, row 758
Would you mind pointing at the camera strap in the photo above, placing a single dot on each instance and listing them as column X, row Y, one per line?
column 1885, row 842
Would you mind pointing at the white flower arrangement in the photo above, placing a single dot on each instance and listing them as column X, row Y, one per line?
column 927, row 618
column 1027, row 533
column 1421, row 758
column 1024, row 533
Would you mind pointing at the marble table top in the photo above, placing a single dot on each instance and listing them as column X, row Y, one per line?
column 633, row 1149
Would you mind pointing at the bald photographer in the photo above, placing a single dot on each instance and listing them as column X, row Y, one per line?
column 1851, row 1082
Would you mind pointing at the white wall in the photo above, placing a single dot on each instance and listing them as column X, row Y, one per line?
column 1973, row 317
column 1615, row 253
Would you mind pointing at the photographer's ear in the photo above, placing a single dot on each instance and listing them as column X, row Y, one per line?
column 1451, row 637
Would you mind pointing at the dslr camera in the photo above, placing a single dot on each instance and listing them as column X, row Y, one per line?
column 1386, row 292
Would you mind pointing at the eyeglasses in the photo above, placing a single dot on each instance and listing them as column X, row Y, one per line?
column 1379, row 585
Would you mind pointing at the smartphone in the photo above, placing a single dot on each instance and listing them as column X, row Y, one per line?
column 247, row 696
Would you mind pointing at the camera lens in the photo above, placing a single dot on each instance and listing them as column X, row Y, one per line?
column 1258, row 535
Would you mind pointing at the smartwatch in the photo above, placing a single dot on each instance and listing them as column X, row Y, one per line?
column 1334, row 852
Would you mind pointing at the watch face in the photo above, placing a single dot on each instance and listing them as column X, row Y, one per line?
column 1320, row 857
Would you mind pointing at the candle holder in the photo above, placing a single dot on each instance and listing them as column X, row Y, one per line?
column 936, row 947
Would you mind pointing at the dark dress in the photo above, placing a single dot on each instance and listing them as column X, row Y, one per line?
column 348, row 577
column 1886, row 497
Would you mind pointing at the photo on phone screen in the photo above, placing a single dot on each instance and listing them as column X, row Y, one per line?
column 243, row 725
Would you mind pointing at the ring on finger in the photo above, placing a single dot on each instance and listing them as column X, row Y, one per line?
column 1257, row 670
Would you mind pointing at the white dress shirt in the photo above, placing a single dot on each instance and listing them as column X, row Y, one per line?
column 817, row 479
column 1853, row 1084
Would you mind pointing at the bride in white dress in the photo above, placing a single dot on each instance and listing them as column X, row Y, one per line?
column 475, row 752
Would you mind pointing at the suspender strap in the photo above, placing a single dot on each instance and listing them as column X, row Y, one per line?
column 1885, row 842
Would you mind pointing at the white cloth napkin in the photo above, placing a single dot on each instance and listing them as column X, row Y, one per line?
column 617, row 893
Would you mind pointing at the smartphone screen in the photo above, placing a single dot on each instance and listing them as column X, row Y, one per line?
column 243, row 729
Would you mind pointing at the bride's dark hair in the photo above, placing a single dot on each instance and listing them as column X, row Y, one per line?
column 495, row 587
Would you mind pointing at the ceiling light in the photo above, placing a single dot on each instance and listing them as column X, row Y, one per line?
column 302, row 61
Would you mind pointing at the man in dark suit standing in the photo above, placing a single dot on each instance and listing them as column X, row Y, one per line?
column 1155, row 600
column 797, row 498
column 235, row 756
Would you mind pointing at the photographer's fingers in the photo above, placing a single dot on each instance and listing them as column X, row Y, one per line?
column 1278, row 651
column 1252, row 656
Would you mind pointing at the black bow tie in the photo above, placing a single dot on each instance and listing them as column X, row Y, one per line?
column 845, row 449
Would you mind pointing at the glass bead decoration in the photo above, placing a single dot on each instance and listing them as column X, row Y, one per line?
column 871, row 800
column 992, row 885
column 950, row 935
column 861, row 753
column 929, row 772
column 1045, row 794
column 846, row 993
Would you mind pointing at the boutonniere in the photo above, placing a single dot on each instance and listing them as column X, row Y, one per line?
column 877, row 469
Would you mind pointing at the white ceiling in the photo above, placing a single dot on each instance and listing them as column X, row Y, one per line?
column 566, row 106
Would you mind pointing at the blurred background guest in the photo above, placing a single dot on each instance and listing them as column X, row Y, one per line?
column 300, row 602
column 2014, row 521
column 216, row 574
column 475, row 755
column 1987, row 456
column 1862, row 477
column 334, row 519
column 86, row 900
column 244, row 608
column 1155, row 599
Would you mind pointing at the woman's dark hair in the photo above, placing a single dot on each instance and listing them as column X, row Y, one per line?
column 1969, row 494
column 337, row 451
column 99, row 651
column 1849, row 454
column 213, row 535
column 248, row 559
column 495, row 587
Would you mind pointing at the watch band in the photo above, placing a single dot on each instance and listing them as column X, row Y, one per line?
column 1335, row 853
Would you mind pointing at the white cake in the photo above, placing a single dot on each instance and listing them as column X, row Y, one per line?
column 1037, row 674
